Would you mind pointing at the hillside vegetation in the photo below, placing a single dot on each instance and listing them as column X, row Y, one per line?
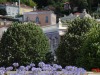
column 27, row 2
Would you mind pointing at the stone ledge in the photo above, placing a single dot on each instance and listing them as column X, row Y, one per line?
column 93, row 73
column 30, row 73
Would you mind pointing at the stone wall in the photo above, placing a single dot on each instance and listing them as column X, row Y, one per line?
column 40, row 73
column 43, row 73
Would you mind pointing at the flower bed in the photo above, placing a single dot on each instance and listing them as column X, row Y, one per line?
column 42, row 69
column 96, row 69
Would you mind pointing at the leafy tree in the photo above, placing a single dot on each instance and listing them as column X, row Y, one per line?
column 41, row 3
column 90, row 5
column 81, row 4
column 89, row 56
column 71, row 42
column 49, row 58
column 30, row 3
column 3, row 12
column 23, row 43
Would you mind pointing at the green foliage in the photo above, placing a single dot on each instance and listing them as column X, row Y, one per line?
column 23, row 43
column 43, row 3
column 3, row 1
column 71, row 42
column 90, row 5
column 49, row 58
column 27, row 2
column 90, row 52
column 3, row 12
column 96, row 15
column 83, row 4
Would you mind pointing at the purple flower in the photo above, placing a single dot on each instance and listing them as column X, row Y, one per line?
column 22, row 68
column 36, row 71
column 32, row 64
column 2, row 68
column 55, row 65
column 41, row 64
column 15, row 64
column 27, row 67
column 81, row 70
column 50, row 70
column 2, row 72
column 9, row 68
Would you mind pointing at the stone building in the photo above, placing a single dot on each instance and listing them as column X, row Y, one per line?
column 12, row 9
column 40, row 17
column 75, row 15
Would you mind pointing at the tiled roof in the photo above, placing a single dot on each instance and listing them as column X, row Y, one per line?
column 77, row 13
column 40, row 10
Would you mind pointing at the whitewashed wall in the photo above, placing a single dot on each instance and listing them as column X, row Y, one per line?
column 2, row 31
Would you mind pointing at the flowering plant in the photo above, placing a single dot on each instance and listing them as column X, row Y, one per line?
column 43, row 69
column 96, row 69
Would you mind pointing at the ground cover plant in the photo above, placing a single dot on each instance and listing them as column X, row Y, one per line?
column 42, row 69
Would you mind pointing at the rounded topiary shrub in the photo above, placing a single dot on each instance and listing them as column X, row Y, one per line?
column 23, row 43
